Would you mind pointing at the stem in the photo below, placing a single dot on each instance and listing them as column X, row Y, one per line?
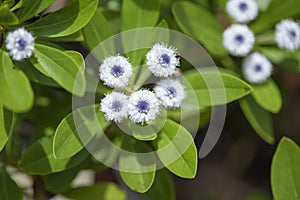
column 143, row 77
column 265, row 39
column 40, row 192
column 229, row 63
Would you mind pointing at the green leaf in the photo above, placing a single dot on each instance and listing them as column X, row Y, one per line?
column 6, row 125
column 176, row 149
column 263, row 4
column 214, row 87
column 154, row 35
column 39, row 158
column 103, row 191
column 74, row 37
column 3, row 132
column 13, row 146
column 97, row 30
column 87, row 119
column 285, row 174
column 65, row 21
column 268, row 96
column 8, row 3
column 63, row 67
column 145, row 132
column 139, row 13
column 8, row 188
column 205, row 29
column 259, row 119
column 16, row 91
column 7, row 17
column 34, row 75
column 276, row 11
column 137, row 168
column 65, row 179
column 162, row 188
column 283, row 59
column 32, row 8
column 145, row 14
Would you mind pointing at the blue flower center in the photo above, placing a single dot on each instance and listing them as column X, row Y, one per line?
column 258, row 68
column 143, row 106
column 243, row 6
column 21, row 44
column 292, row 34
column 116, row 106
column 172, row 91
column 117, row 70
column 239, row 38
column 165, row 59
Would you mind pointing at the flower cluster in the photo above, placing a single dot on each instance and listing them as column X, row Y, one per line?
column 142, row 105
column 238, row 39
column 20, row 44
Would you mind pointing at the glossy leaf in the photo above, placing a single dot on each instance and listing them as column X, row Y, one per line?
column 283, row 59
column 139, row 13
column 8, row 188
column 176, row 149
column 145, row 14
column 276, row 11
column 136, row 169
column 65, row 21
column 74, row 37
column 205, row 29
column 285, row 174
column 6, row 125
column 16, row 91
column 3, row 132
column 39, row 158
column 97, row 30
column 259, row 119
column 9, row 3
column 162, row 188
column 7, row 17
column 268, row 96
column 263, row 4
column 153, row 36
column 32, row 8
column 67, row 142
column 147, row 132
column 34, row 75
column 65, row 179
column 63, row 67
column 213, row 87
column 102, row 190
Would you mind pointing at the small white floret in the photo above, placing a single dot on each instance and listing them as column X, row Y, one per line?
column 287, row 35
column 143, row 106
column 242, row 11
column 20, row 44
column 115, row 106
column 238, row 40
column 170, row 92
column 257, row 68
column 162, row 60
column 115, row 71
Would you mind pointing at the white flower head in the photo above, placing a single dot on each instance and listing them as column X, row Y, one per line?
column 20, row 44
column 115, row 71
column 170, row 92
column 238, row 40
column 242, row 11
column 143, row 106
column 162, row 60
column 115, row 106
column 287, row 35
column 257, row 68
